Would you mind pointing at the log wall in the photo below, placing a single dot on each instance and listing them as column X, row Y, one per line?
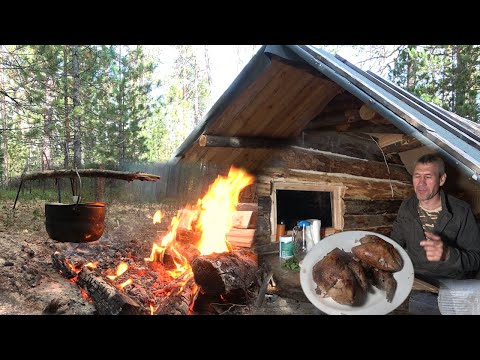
column 371, row 195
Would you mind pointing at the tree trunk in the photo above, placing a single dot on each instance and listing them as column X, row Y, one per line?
column 66, row 146
column 47, row 134
column 207, row 66
column 196, row 106
column 121, row 99
column 77, row 134
column 411, row 71
column 3, row 114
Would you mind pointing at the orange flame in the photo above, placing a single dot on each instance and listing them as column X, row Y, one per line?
column 121, row 268
column 91, row 265
column 157, row 218
column 218, row 206
column 211, row 216
column 125, row 283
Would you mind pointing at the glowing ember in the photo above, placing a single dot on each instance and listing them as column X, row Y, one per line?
column 91, row 265
column 85, row 295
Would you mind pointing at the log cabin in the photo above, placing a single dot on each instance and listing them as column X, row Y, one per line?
column 329, row 141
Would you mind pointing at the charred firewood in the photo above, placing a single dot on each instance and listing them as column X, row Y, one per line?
column 230, row 274
column 61, row 264
column 189, row 251
column 106, row 298
column 178, row 296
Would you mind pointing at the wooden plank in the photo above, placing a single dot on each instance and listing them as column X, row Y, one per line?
column 421, row 285
column 269, row 97
column 320, row 93
column 241, row 219
column 241, row 237
column 404, row 144
column 238, row 105
column 247, row 207
column 278, row 106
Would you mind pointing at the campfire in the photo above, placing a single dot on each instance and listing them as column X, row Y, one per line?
column 190, row 267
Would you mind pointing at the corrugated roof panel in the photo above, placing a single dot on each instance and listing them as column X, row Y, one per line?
column 462, row 151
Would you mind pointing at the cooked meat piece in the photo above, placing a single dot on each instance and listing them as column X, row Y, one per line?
column 384, row 280
column 334, row 278
column 358, row 271
column 378, row 253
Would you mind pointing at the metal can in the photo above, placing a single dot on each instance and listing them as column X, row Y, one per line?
column 286, row 248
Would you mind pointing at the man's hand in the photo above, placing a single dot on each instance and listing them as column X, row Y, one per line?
column 434, row 247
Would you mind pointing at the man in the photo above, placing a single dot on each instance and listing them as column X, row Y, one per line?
column 438, row 231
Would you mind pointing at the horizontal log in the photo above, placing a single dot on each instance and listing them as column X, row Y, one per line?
column 60, row 263
column 366, row 113
column 358, row 207
column 313, row 160
column 367, row 221
column 357, row 188
column 107, row 299
column 231, row 275
column 368, row 127
column 353, row 145
column 242, row 142
column 385, row 230
column 120, row 175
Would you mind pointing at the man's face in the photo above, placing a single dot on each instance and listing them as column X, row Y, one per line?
column 426, row 181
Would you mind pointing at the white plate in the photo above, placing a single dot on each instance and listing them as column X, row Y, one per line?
column 375, row 302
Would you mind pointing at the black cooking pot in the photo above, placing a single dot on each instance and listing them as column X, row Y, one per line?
column 78, row 223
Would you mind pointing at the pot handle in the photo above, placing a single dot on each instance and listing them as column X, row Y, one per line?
column 79, row 190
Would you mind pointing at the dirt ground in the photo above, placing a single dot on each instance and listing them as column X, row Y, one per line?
column 30, row 285
column 28, row 280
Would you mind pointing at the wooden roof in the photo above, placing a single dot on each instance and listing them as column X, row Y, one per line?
column 287, row 94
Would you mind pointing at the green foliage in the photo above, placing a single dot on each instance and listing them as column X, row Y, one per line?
column 291, row 264
column 447, row 75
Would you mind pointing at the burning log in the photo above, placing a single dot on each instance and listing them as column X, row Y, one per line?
column 189, row 251
column 177, row 296
column 61, row 264
column 230, row 274
column 106, row 298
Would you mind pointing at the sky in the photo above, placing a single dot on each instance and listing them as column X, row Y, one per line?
column 225, row 66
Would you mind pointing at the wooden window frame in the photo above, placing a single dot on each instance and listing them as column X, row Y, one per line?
column 336, row 202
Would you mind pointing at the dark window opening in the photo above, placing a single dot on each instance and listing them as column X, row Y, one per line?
column 294, row 205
